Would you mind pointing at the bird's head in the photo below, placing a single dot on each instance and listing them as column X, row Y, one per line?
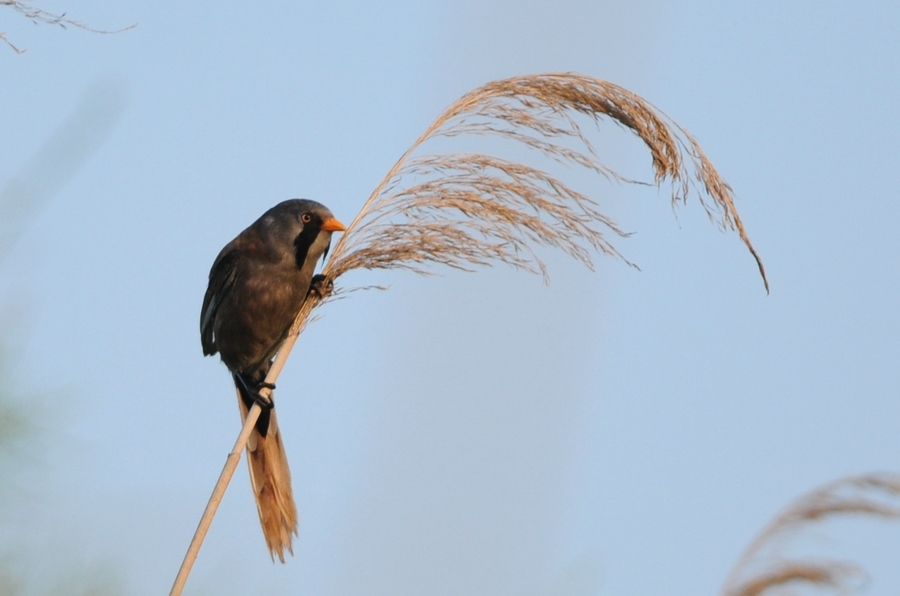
column 303, row 228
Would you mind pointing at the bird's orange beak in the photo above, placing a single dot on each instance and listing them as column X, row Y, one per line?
column 333, row 225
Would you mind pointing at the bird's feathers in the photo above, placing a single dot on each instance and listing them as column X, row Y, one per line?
column 270, row 478
column 221, row 278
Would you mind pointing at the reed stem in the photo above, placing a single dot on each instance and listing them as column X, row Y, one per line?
column 212, row 505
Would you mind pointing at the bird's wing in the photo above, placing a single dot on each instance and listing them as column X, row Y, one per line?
column 221, row 280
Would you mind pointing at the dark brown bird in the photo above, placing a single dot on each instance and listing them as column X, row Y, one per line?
column 257, row 285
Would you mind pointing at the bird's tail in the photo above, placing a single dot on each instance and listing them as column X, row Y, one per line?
column 271, row 481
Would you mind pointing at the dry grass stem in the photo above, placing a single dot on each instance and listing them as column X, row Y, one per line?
column 763, row 567
column 39, row 15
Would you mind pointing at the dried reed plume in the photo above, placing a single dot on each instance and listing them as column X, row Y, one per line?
column 469, row 209
column 39, row 15
column 763, row 567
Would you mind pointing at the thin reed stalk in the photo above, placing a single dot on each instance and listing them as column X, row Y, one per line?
column 231, row 463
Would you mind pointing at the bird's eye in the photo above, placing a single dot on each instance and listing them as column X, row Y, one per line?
column 306, row 218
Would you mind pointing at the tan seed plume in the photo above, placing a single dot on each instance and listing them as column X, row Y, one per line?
column 465, row 210
column 763, row 568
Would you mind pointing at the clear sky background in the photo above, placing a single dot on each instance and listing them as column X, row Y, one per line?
column 616, row 432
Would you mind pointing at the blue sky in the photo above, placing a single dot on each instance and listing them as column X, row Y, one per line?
column 615, row 432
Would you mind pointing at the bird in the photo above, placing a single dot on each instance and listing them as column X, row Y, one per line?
column 257, row 285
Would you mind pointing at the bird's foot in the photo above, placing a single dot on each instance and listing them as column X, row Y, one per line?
column 254, row 395
column 321, row 285
column 265, row 401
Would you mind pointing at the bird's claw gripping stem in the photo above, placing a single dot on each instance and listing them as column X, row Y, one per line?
column 265, row 402
column 321, row 285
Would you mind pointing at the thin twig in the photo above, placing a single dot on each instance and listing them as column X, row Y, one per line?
column 39, row 15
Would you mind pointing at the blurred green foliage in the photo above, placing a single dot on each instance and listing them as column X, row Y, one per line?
column 17, row 427
column 27, row 427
